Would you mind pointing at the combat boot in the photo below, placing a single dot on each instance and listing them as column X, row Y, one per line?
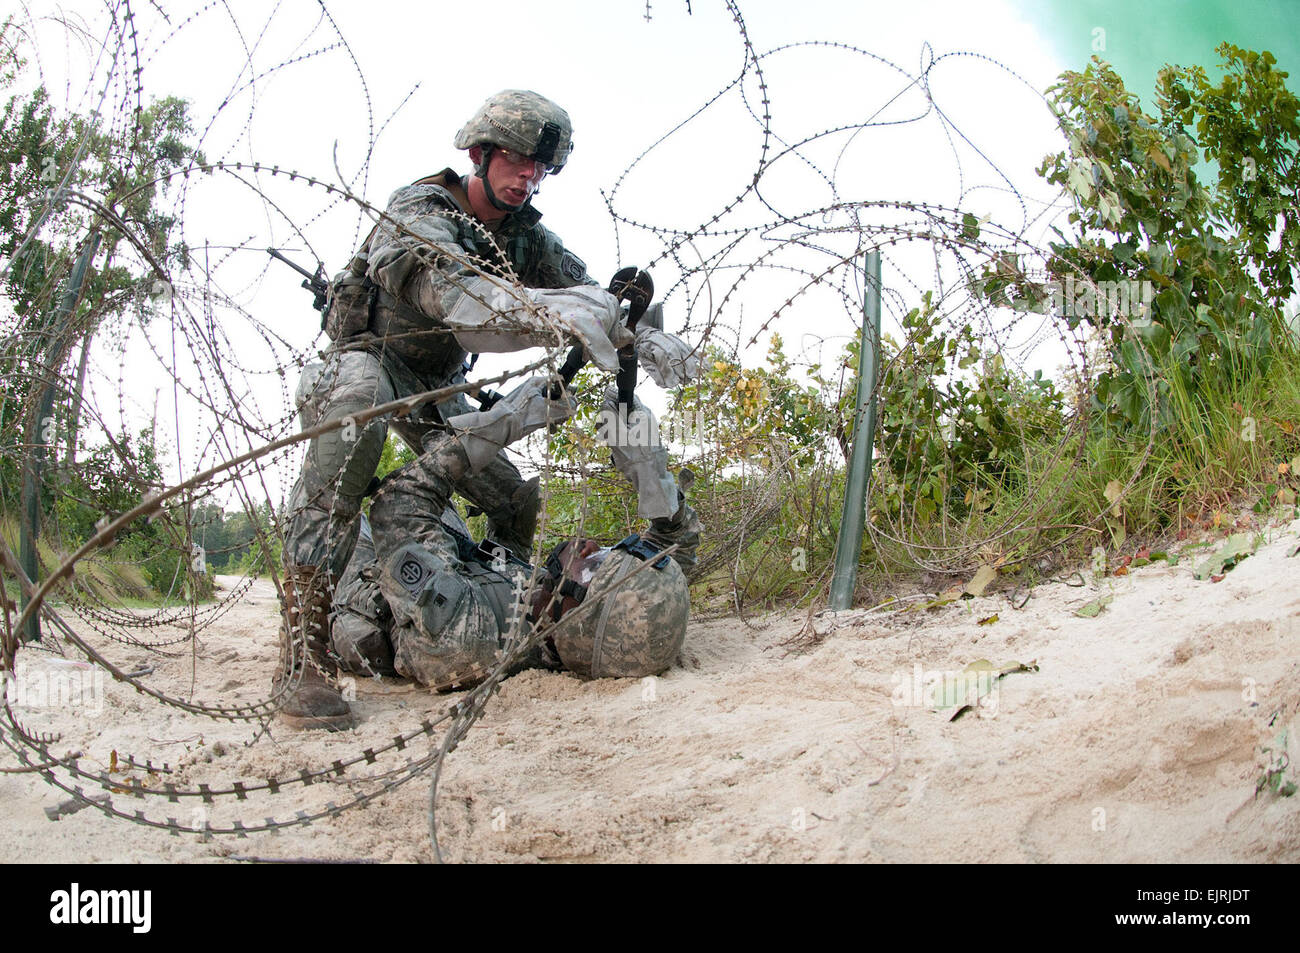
column 683, row 528
column 315, row 703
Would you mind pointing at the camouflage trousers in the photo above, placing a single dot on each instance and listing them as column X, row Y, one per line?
column 450, row 617
column 340, row 464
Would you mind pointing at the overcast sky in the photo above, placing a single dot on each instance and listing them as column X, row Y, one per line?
column 370, row 95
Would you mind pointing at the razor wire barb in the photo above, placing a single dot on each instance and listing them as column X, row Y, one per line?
column 192, row 312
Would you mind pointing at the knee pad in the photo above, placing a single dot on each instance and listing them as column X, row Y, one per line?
column 349, row 383
column 360, row 640
column 361, row 621
column 303, row 397
column 349, row 454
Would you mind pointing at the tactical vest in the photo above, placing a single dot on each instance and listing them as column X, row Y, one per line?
column 360, row 312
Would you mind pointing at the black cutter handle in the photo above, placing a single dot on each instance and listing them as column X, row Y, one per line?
column 638, row 290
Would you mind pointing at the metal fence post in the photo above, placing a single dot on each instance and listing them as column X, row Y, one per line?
column 853, row 516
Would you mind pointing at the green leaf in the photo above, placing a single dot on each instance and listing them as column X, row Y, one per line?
column 1235, row 548
column 972, row 683
column 1093, row 609
column 965, row 687
column 1080, row 180
column 983, row 577
column 1118, row 534
column 1112, row 493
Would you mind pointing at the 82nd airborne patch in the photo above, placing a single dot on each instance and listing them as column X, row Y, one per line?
column 412, row 574
column 572, row 267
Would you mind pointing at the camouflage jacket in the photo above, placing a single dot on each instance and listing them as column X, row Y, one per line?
column 428, row 225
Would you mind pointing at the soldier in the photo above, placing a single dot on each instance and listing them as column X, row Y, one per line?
column 455, row 265
column 422, row 600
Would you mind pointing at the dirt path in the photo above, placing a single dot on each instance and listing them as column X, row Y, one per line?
column 1137, row 739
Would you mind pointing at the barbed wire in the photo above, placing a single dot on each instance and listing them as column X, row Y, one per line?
column 184, row 313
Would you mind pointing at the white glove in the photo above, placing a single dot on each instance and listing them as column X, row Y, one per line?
column 669, row 360
column 594, row 317
column 525, row 409
column 492, row 316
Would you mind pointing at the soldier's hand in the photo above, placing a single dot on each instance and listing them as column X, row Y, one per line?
column 669, row 360
column 493, row 316
column 593, row 316
column 534, row 407
column 527, row 408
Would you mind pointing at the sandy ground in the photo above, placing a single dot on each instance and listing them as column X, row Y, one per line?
column 1139, row 738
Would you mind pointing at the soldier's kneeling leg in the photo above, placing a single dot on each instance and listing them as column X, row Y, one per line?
column 340, row 463
column 361, row 620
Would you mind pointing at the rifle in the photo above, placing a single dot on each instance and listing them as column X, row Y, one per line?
column 315, row 283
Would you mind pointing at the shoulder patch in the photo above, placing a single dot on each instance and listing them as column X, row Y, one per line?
column 571, row 266
column 412, row 574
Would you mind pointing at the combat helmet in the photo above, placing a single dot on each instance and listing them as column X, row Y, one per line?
column 638, row 622
column 524, row 122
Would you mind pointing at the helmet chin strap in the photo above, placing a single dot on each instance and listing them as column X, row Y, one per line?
column 481, row 171
column 496, row 202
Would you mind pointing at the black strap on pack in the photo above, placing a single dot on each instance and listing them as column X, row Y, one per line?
column 564, row 586
column 642, row 550
column 372, row 302
column 485, row 553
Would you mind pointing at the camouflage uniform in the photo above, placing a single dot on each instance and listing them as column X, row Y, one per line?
column 385, row 348
column 446, row 611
